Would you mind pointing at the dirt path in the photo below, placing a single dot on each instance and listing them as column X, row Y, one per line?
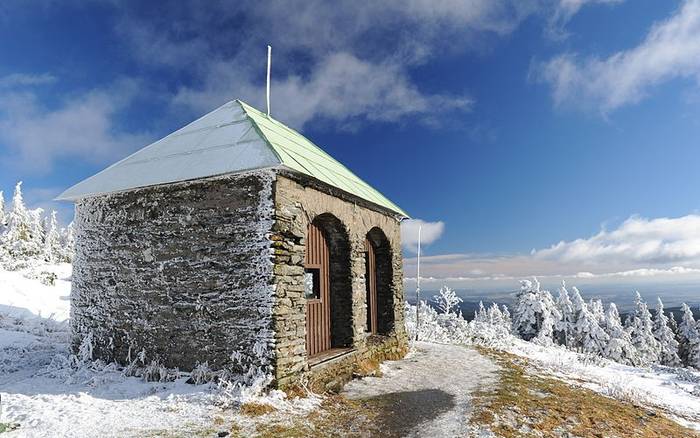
column 429, row 392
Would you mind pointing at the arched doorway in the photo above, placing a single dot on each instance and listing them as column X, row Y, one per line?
column 327, row 286
column 378, row 283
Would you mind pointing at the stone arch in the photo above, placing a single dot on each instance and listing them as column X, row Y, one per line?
column 379, row 283
column 339, row 278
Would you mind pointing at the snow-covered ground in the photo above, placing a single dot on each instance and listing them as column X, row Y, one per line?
column 674, row 390
column 48, row 397
column 28, row 297
column 50, row 393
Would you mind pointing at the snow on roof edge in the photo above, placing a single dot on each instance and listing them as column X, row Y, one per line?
column 181, row 181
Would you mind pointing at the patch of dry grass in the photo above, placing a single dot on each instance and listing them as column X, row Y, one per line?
column 252, row 409
column 337, row 416
column 525, row 405
column 366, row 368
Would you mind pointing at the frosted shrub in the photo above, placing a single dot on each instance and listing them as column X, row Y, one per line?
column 490, row 326
column 588, row 358
column 431, row 327
column 85, row 350
column 45, row 277
column 157, row 372
column 621, row 390
column 446, row 300
column 202, row 374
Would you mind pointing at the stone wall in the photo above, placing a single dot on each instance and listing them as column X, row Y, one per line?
column 180, row 272
column 298, row 201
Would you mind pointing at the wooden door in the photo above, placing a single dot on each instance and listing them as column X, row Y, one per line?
column 317, row 286
column 371, row 285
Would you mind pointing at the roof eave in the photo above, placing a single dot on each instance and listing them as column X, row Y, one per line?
column 398, row 214
column 75, row 198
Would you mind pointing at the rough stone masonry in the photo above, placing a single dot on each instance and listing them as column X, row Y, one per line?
column 212, row 271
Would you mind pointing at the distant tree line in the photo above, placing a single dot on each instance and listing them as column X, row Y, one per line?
column 28, row 236
column 642, row 339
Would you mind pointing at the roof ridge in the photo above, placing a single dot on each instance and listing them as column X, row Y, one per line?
column 262, row 135
column 290, row 135
column 292, row 131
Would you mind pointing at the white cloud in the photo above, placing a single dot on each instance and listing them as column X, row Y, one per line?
column 637, row 248
column 341, row 61
column 565, row 10
column 429, row 233
column 23, row 80
column 81, row 127
column 669, row 51
column 660, row 241
column 341, row 88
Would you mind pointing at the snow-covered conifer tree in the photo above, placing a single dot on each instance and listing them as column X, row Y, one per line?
column 52, row 241
column 3, row 218
column 577, row 301
column 588, row 334
column 67, row 244
column 673, row 324
column 446, row 300
column 480, row 313
column 619, row 347
column 535, row 313
column 689, row 339
column 495, row 317
column 23, row 235
column 525, row 322
column 668, row 345
column 550, row 315
column 597, row 310
column 507, row 320
column 565, row 325
column 642, row 333
column 578, row 306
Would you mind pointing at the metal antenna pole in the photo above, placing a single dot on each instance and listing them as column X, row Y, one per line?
column 418, row 286
column 269, row 63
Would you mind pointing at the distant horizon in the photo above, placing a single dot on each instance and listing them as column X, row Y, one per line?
column 623, row 295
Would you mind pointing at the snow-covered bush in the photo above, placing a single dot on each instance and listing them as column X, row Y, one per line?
column 446, row 300
column 489, row 327
column 622, row 390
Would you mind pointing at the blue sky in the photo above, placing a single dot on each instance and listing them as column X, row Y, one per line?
column 508, row 127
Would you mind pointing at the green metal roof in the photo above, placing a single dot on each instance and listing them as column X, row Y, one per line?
column 302, row 155
column 233, row 138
